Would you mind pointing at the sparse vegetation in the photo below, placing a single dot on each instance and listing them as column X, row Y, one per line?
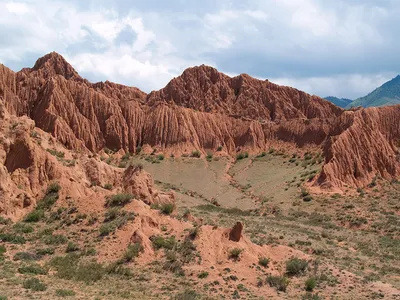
column 118, row 200
column 108, row 186
column 55, row 239
column 263, row 261
column 132, row 252
column 34, row 284
column 160, row 242
column 202, row 275
column 65, row 293
column 280, row 283
column 167, row 208
column 235, row 253
column 310, row 284
column 34, row 216
column 209, row 156
column 71, row 247
column 32, row 269
column 296, row 266
column 242, row 155
column 115, row 218
column 196, row 154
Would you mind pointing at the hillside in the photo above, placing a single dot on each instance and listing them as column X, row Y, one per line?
column 203, row 110
column 341, row 102
column 214, row 187
column 387, row 94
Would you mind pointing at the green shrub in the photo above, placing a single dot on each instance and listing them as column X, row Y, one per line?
column 196, row 154
column 22, row 228
column 161, row 242
column 89, row 252
column 108, row 186
column 34, row 284
column 132, row 252
column 47, row 202
column 280, row 283
column 138, row 149
column 296, row 266
column 235, row 253
column 173, row 264
column 4, row 221
column 242, row 155
column 219, row 149
column 26, row 256
column 114, row 219
column 71, row 247
column 68, row 267
column 55, row 239
column 12, row 238
column 111, row 214
column 193, row 233
column 2, row 249
column 262, row 154
column 106, row 229
column 263, row 261
column 65, row 293
column 310, row 284
column 116, row 268
column 53, row 188
column 119, row 200
column 45, row 251
column 209, row 156
column 58, row 154
column 160, row 157
column 167, row 208
column 202, row 275
column 32, row 269
column 34, row 216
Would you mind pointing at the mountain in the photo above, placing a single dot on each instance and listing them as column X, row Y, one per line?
column 80, row 209
column 387, row 94
column 204, row 110
column 341, row 102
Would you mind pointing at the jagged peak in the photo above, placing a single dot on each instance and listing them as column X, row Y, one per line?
column 55, row 64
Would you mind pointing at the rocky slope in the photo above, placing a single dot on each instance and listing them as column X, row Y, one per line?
column 202, row 110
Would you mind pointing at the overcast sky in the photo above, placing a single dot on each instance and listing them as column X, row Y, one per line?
column 324, row 47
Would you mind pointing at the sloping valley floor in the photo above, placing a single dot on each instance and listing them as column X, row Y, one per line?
column 356, row 234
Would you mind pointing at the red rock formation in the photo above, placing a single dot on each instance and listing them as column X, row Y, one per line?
column 204, row 109
column 140, row 184
column 235, row 234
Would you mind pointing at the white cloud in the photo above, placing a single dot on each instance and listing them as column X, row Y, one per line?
column 359, row 84
column 343, row 48
column 17, row 8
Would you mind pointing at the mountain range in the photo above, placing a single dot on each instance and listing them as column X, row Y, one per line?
column 203, row 110
column 387, row 94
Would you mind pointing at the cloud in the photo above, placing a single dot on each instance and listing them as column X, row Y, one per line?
column 343, row 86
column 342, row 48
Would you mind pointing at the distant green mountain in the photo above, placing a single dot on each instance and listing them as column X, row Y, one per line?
column 387, row 94
column 341, row 102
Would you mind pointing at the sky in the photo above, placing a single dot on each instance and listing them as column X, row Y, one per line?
column 324, row 47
